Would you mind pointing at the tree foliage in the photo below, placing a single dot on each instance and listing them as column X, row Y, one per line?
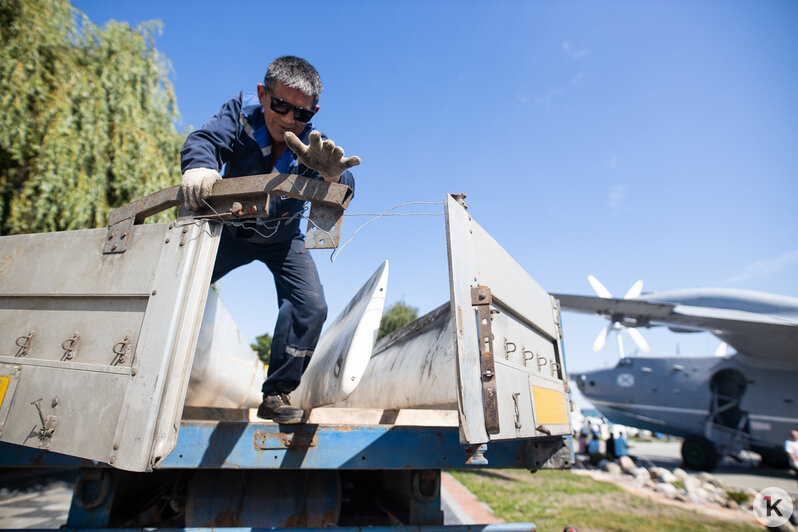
column 86, row 117
column 263, row 347
column 395, row 317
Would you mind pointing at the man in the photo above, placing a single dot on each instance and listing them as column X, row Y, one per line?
column 620, row 446
column 259, row 134
column 609, row 447
column 791, row 447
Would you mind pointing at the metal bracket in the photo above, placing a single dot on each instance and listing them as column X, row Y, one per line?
column 23, row 342
column 70, row 347
column 121, row 351
column 475, row 454
column 48, row 424
column 324, row 227
column 481, row 300
column 239, row 198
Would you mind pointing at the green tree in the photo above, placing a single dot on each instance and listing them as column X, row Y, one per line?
column 395, row 317
column 86, row 117
column 263, row 347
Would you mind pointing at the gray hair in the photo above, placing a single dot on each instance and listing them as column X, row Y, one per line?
column 296, row 73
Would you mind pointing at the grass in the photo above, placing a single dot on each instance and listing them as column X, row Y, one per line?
column 553, row 499
column 740, row 497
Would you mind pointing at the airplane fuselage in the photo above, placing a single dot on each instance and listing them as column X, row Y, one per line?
column 678, row 395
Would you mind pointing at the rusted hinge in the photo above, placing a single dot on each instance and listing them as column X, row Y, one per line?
column 481, row 300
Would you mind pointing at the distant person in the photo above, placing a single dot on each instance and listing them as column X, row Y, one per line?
column 610, row 447
column 791, row 446
column 593, row 447
column 621, row 448
column 583, row 441
column 594, row 450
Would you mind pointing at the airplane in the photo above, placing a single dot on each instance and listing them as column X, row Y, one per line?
column 720, row 405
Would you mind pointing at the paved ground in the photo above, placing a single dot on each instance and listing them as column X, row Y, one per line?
column 746, row 474
column 28, row 501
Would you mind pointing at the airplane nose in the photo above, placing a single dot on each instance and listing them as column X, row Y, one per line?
column 579, row 379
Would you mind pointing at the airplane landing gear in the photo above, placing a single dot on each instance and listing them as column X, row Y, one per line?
column 699, row 453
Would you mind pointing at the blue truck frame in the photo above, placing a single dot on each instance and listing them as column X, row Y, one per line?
column 240, row 473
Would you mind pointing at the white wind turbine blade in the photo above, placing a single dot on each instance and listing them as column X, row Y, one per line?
column 601, row 338
column 722, row 349
column 619, row 336
column 599, row 288
column 638, row 339
column 634, row 291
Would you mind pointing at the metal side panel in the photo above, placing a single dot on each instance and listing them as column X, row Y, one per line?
column 507, row 339
column 96, row 349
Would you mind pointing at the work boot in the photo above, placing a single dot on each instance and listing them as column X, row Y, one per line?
column 277, row 408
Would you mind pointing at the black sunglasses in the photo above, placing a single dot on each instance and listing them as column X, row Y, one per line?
column 282, row 107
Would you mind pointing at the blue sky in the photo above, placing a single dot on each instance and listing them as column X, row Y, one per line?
column 630, row 140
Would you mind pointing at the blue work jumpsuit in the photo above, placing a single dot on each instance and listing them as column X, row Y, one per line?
column 237, row 143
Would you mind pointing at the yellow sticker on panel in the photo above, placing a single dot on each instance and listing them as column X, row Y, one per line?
column 3, row 387
column 549, row 406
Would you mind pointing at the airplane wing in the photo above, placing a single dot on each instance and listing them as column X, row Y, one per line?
column 764, row 336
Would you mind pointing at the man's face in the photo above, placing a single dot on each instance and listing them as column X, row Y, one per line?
column 276, row 123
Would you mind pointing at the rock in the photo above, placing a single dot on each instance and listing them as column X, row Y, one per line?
column 680, row 474
column 703, row 476
column 690, row 483
column 641, row 474
column 699, row 495
column 667, row 489
column 610, row 467
column 731, row 504
column 667, row 476
column 661, row 474
column 627, row 465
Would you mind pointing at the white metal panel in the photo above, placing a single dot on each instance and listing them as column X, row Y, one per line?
column 144, row 304
column 524, row 332
column 464, row 323
column 345, row 347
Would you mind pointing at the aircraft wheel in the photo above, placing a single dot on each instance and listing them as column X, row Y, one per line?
column 699, row 453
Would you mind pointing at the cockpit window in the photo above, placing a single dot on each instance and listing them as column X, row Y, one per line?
column 624, row 362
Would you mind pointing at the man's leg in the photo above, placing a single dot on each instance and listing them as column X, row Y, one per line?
column 300, row 318
column 231, row 254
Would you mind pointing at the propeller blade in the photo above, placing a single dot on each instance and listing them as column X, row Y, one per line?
column 638, row 339
column 635, row 291
column 619, row 336
column 722, row 349
column 601, row 338
column 599, row 288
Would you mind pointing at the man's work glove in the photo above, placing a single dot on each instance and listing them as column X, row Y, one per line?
column 196, row 186
column 324, row 157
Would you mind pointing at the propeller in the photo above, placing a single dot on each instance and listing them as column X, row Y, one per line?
column 615, row 325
